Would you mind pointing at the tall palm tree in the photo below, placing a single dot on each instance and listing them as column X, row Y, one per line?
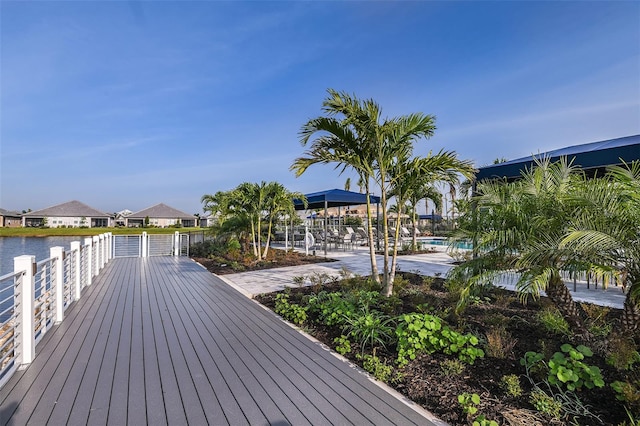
column 347, row 184
column 392, row 147
column 278, row 202
column 605, row 233
column 345, row 142
column 422, row 191
column 518, row 231
column 414, row 175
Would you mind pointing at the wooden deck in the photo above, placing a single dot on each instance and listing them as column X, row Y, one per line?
column 162, row 341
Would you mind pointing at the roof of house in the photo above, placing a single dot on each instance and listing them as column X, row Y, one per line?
column 588, row 156
column 70, row 209
column 334, row 198
column 4, row 212
column 161, row 211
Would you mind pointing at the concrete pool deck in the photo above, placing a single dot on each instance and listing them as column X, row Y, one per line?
column 357, row 261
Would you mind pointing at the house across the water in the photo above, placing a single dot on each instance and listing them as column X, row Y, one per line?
column 160, row 215
column 72, row 214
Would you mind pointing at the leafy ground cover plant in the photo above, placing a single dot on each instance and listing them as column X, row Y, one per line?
column 424, row 379
column 419, row 333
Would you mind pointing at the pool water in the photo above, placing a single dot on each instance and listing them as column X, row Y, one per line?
column 465, row 245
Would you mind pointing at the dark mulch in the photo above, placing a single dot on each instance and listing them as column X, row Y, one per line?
column 423, row 379
column 276, row 258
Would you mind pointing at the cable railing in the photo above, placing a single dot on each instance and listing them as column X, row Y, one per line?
column 8, row 342
column 36, row 295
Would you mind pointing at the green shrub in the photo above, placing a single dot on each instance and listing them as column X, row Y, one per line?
column 499, row 344
column 379, row 369
column 469, row 402
column 629, row 393
column 623, row 354
column 290, row 311
column 452, row 367
column 511, row 385
column 566, row 368
column 418, row 333
column 343, row 345
column 369, row 328
column 546, row 404
column 332, row 309
column 481, row 420
column 553, row 321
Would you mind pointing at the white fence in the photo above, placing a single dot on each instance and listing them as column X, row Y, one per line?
column 36, row 295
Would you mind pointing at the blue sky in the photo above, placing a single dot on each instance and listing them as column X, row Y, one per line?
column 123, row 104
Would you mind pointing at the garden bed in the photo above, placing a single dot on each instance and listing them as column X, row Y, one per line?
column 506, row 330
column 232, row 263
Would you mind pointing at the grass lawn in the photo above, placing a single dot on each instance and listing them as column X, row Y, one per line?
column 86, row 232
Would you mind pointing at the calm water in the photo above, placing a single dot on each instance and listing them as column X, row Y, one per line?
column 11, row 247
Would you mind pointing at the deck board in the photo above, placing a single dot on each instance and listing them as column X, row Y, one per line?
column 162, row 341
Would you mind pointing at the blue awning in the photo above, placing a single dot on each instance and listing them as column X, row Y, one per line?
column 334, row 198
column 591, row 157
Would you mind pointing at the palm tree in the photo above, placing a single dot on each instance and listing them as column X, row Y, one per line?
column 278, row 202
column 415, row 175
column 422, row 191
column 392, row 147
column 344, row 142
column 518, row 231
column 605, row 233
column 347, row 184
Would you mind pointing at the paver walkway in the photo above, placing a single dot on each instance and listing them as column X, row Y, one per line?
column 162, row 341
column 357, row 261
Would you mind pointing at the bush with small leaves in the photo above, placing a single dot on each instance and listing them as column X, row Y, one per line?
column 629, row 393
column 553, row 321
column 623, row 354
column 546, row 404
column 452, row 367
column 378, row 368
column 290, row 311
column 332, row 309
column 500, row 343
column 511, row 385
column 343, row 345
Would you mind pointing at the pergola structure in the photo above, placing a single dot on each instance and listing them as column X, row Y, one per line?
column 334, row 198
column 593, row 158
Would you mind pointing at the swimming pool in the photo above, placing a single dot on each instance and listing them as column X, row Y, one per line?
column 431, row 241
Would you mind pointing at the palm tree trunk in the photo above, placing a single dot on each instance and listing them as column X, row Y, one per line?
column 394, row 258
column 630, row 321
column 387, row 286
column 266, row 248
column 414, row 238
column 560, row 295
column 372, row 249
column 253, row 238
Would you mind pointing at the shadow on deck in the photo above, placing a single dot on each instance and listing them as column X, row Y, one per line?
column 162, row 341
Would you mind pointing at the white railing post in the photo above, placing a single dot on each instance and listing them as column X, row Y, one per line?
column 144, row 244
column 87, row 247
column 57, row 284
column 109, row 246
column 77, row 289
column 176, row 244
column 26, row 347
column 96, row 249
column 100, row 252
column 286, row 237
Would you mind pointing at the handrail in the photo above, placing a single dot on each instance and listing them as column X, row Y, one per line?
column 36, row 295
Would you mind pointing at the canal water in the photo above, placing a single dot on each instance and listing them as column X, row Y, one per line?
column 11, row 247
